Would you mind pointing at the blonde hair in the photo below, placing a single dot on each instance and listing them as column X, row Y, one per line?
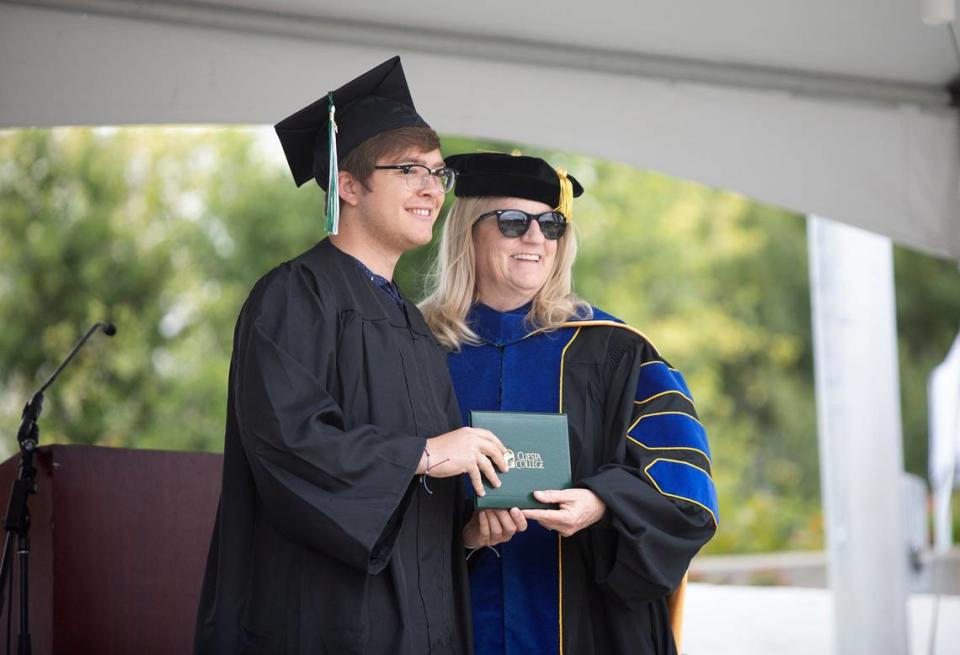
column 453, row 285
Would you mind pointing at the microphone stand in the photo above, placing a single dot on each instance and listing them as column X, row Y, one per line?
column 17, row 521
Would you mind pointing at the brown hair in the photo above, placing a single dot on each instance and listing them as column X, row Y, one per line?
column 361, row 160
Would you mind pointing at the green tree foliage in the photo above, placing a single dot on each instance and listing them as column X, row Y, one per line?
column 164, row 231
column 161, row 231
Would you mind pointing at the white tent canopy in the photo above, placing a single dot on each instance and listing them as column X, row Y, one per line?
column 837, row 109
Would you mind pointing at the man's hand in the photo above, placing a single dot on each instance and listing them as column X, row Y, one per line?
column 468, row 450
column 489, row 527
column 579, row 508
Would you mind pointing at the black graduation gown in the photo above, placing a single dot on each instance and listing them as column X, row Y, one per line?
column 635, row 441
column 325, row 540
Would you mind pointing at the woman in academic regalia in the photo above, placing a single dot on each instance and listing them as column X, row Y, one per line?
column 594, row 574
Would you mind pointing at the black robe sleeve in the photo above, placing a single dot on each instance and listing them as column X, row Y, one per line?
column 337, row 488
column 661, row 504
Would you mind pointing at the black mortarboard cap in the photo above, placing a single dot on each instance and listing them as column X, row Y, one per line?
column 514, row 176
column 377, row 101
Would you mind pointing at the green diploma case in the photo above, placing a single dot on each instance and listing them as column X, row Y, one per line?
column 538, row 456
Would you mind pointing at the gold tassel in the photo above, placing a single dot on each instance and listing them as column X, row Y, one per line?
column 566, row 194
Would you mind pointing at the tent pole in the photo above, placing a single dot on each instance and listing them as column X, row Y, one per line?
column 861, row 451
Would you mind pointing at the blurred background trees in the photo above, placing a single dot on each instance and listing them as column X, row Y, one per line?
column 164, row 231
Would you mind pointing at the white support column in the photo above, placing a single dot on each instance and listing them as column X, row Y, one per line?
column 861, row 452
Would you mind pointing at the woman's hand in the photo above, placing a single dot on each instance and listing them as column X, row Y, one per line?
column 579, row 508
column 489, row 527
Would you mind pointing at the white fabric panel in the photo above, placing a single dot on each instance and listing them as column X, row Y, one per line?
column 882, row 39
column 944, row 417
column 892, row 170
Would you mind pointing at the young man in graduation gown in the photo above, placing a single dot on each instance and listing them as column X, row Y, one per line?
column 329, row 539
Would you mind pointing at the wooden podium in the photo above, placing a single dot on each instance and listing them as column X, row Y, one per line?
column 119, row 542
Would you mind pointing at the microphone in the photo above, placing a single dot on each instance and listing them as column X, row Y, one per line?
column 17, row 520
column 108, row 328
column 27, row 435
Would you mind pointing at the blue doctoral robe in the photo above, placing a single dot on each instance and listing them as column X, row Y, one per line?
column 635, row 441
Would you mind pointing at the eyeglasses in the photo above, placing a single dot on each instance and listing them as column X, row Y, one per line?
column 418, row 176
column 514, row 223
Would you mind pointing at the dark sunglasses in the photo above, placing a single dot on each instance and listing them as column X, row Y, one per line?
column 514, row 223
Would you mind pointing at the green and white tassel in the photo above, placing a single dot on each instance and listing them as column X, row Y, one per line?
column 333, row 191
